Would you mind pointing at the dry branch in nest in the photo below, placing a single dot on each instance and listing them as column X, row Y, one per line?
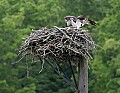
column 61, row 43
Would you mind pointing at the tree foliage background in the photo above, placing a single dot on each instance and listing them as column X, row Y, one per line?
column 18, row 17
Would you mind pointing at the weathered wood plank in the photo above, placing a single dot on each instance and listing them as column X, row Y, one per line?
column 82, row 76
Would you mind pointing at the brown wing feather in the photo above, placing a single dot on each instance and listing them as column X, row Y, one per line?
column 81, row 17
column 92, row 22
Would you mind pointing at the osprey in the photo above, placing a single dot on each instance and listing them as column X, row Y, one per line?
column 81, row 21
column 70, row 21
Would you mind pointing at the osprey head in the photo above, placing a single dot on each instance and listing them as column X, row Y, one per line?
column 81, row 17
column 70, row 20
column 85, row 20
column 67, row 18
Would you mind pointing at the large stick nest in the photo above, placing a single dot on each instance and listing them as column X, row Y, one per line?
column 62, row 43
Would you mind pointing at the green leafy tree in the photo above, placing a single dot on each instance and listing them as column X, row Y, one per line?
column 18, row 17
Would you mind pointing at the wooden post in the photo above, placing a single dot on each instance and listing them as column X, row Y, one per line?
column 82, row 76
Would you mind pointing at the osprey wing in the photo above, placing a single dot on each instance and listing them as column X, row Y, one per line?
column 92, row 22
